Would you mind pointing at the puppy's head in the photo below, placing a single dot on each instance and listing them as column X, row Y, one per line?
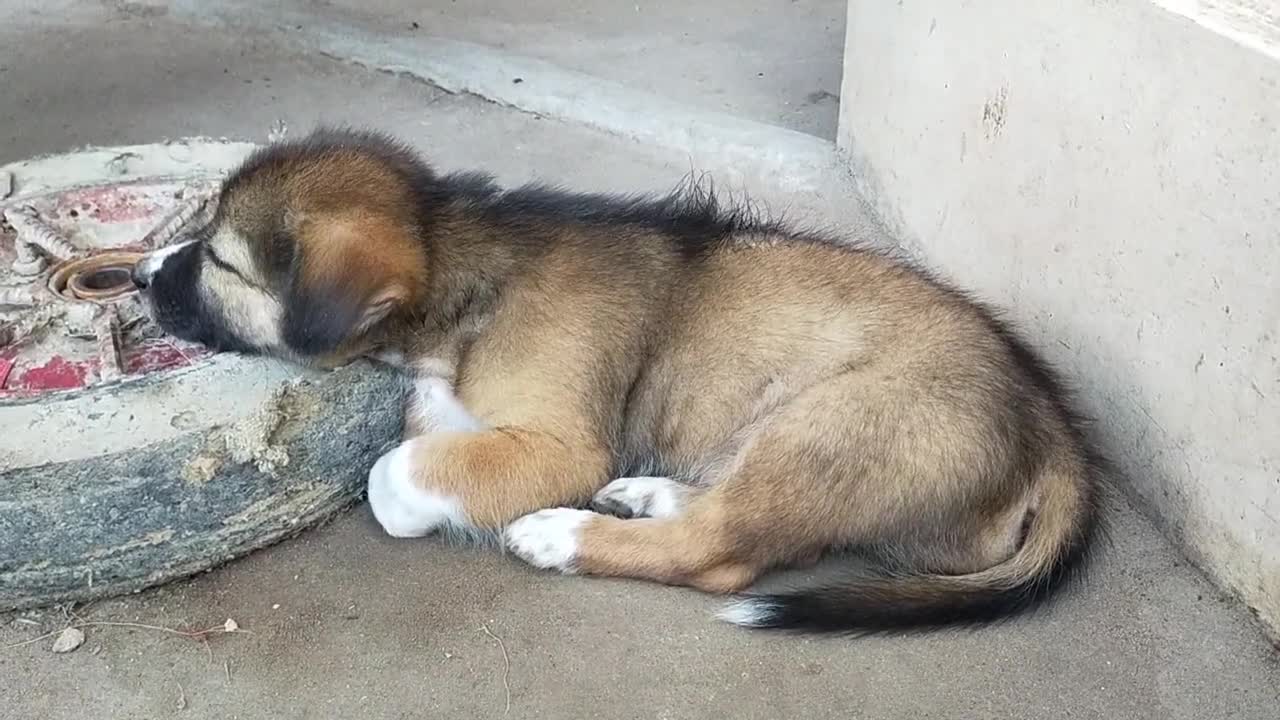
column 315, row 251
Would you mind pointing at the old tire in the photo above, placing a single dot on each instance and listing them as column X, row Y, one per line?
column 118, row 487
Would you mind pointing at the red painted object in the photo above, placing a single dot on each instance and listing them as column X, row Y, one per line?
column 107, row 217
column 6, row 366
column 58, row 373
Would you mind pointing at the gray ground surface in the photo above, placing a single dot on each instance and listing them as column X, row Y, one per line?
column 776, row 61
column 346, row 623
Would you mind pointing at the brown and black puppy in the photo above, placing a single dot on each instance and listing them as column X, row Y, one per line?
column 733, row 395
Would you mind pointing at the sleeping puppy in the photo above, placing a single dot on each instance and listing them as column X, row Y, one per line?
column 726, row 394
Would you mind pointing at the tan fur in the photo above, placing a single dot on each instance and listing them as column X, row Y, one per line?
column 813, row 396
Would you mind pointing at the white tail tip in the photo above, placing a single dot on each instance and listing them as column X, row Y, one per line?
column 748, row 613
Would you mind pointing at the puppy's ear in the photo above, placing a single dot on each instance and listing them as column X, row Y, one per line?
column 319, row 319
column 349, row 276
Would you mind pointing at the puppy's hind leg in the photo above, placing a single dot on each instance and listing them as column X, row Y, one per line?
column 803, row 482
column 693, row 549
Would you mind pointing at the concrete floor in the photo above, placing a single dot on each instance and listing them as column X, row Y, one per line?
column 345, row 623
column 776, row 63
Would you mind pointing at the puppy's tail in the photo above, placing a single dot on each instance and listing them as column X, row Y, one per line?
column 1054, row 549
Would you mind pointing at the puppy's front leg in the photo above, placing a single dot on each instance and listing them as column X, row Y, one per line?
column 479, row 481
column 401, row 507
column 462, row 475
column 433, row 407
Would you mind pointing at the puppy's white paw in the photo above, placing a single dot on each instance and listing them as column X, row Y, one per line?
column 655, row 497
column 403, row 509
column 548, row 538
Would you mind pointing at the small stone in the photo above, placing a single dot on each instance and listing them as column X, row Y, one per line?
column 68, row 640
column 230, row 626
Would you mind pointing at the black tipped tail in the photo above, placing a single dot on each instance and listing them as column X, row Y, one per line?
column 1053, row 552
column 885, row 606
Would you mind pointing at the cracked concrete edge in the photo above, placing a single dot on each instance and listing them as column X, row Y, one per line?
column 792, row 160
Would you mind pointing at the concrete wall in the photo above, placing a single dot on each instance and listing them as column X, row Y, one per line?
column 1109, row 171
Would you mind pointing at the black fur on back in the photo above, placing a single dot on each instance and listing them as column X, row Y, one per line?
column 693, row 215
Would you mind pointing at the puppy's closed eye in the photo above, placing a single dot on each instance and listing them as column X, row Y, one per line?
column 222, row 264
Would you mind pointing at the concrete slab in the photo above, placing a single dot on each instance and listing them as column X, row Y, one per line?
column 794, row 160
column 370, row 627
column 776, row 62
column 347, row 623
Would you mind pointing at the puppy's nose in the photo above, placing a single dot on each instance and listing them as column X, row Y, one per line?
column 144, row 272
column 141, row 275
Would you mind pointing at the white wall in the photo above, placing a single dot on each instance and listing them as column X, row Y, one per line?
column 1110, row 171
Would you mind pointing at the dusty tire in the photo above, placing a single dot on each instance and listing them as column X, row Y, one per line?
column 174, row 474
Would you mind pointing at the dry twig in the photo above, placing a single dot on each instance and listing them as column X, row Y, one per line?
column 194, row 634
column 506, row 667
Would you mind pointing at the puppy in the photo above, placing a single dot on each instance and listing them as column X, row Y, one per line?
column 727, row 394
